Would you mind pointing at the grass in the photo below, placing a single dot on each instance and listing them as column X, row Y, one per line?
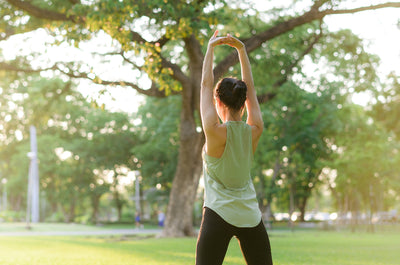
column 297, row 248
column 47, row 227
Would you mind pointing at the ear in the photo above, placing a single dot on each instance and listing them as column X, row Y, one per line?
column 219, row 103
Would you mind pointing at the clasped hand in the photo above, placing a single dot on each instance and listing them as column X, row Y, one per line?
column 228, row 40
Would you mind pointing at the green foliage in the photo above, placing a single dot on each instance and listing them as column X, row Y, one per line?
column 345, row 54
column 366, row 163
column 157, row 150
column 298, row 124
column 387, row 107
column 176, row 19
column 386, row 111
column 78, row 146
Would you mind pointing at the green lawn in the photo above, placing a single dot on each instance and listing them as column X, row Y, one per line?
column 300, row 247
column 47, row 227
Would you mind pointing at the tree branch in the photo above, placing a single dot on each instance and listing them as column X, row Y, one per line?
column 12, row 68
column 360, row 9
column 130, row 61
column 121, row 53
column 262, row 98
column 255, row 41
column 177, row 72
column 43, row 13
column 136, row 37
column 289, row 69
column 153, row 91
column 75, row 1
column 162, row 41
column 6, row 34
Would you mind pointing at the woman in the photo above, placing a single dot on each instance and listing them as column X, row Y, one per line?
column 230, row 204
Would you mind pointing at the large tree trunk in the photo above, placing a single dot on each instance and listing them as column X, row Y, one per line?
column 95, row 208
column 118, row 204
column 72, row 210
column 179, row 217
column 302, row 207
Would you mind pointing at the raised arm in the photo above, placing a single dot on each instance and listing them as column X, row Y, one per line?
column 254, row 117
column 209, row 116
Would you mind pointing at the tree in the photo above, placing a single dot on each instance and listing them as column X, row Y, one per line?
column 157, row 149
column 299, row 124
column 385, row 111
column 170, row 47
column 77, row 144
column 363, row 162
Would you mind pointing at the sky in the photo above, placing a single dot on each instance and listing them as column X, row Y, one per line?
column 381, row 35
column 378, row 29
column 380, row 32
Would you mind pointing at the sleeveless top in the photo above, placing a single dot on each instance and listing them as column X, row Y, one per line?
column 229, row 190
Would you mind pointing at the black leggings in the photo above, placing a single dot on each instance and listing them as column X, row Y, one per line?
column 215, row 235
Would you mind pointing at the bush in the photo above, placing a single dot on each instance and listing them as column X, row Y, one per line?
column 56, row 217
column 83, row 219
column 12, row 216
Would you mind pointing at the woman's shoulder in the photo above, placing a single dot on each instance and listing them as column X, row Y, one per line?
column 215, row 140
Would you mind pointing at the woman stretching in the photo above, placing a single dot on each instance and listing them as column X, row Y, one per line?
column 230, row 204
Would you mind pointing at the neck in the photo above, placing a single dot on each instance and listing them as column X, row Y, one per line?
column 233, row 116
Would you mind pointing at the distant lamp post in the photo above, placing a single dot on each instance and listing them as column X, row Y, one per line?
column 32, row 209
column 4, row 182
column 137, row 190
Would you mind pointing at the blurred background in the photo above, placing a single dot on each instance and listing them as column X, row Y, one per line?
column 100, row 120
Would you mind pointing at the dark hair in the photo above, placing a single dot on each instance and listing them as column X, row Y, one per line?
column 232, row 92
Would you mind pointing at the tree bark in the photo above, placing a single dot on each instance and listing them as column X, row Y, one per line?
column 179, row 217
column 95, row 208
column 118, row 204
column 302, row 208
column 71, row 215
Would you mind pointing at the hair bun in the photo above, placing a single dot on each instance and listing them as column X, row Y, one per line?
column 239, row 87
column 232, row 92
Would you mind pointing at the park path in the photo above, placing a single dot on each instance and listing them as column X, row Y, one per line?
column 106, row 232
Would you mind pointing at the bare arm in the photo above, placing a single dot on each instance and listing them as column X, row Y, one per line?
column 214, row 131
column 209, row 116
column 254, row 116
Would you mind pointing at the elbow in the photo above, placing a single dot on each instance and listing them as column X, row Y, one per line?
column 261, row 126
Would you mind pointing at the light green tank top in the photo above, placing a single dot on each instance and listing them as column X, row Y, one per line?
column 229, row 190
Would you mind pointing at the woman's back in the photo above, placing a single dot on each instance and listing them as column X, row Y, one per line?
column 229, row 190
column 232, row 169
